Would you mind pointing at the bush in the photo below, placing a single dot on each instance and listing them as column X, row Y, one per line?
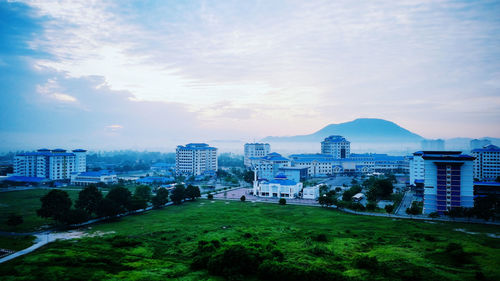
column 210, row 196
column 366, row 262
column 320, row 238
column 371, row 206
column 389, row 208
column 234, row 260
column 76, row 216
column 243, row 198
column 434, row 215
column 282, row 201
column 14, row 220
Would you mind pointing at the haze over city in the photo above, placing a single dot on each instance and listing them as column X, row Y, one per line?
column 114, row 75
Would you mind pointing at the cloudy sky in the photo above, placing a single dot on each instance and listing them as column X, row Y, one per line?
column 149, row 74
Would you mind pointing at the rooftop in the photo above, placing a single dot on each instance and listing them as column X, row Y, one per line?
column 335, row 138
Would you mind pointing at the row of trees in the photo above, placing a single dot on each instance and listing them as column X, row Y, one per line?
column 58, row 205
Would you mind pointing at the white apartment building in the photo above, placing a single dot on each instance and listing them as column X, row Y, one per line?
column 195, row 159
column 56, row 164
column 487, row 163
column 417, row 171
column 255, row 150
column 336, row 146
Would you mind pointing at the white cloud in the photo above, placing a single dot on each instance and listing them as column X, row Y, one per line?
column 303, row 63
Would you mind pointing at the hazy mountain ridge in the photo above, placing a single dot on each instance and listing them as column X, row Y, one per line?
column 359, row 130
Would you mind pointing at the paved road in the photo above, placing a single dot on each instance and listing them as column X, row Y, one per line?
column 405, row 204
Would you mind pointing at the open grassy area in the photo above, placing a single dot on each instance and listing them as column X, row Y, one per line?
column 25, row 203
column 323, row 243
column 16, row 243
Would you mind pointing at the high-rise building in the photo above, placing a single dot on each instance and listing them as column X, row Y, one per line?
column 487, row 163
column 475, row 143
column 255, row 150
column 195, row 159
column 433, row 145
column 336, row 146
column 56, row 164
column 448, row 180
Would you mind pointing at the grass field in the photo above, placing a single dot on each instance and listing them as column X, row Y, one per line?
column 25, row 203
column 16, row 243
column 162, row 244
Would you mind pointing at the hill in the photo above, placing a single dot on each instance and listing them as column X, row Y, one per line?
column 359, row 130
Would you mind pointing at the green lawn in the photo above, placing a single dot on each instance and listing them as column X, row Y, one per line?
column 25, row 203
column 162, row 244
column 16, row 243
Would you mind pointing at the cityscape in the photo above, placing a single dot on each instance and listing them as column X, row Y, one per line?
column 227, row 140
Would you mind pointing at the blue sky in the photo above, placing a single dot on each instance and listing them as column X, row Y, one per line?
column 150, row 74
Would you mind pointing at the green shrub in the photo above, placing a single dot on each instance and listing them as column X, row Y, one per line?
column 243, row 198
column 320, row 238
column 282, row 201
column 210, row 196
column 366, row 262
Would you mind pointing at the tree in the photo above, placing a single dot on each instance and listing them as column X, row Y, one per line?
column 282, row 201
column 14, row 220
column 192, row 192
column 76, row 216
column 144, row 192
column 415, row 209
column 55, row 204
column 137, row 203
column 108, row 208
column 178, row 194
column 248, row 176
column 323, row 189
column 88, row 199
column 389, row 208
column 161, row 198
column 348, row 194
column 210, row 196
column 121, row 196
column 243, row 198
column 371, row 206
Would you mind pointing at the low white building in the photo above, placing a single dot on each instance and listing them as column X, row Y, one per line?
column 86, row 178
column 279, row 187
column 311, row 192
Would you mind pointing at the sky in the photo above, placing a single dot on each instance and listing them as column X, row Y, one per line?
column 152, row 74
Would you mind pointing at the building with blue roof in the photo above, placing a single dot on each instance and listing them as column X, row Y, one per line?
column 278, row 187
column 93, row 177
column 31, row 180
column 253, row 150
column 267, row 167
column 194, row 159
column 447, row 179
column 155, row 180
column 56, row 164
column 487, row 163
column 336, row 146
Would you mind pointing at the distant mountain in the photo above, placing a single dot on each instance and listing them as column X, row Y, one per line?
column 366, row 130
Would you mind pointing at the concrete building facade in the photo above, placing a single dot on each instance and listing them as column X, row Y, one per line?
column 195, row 159
column 336, row 146
column 253, row 150
column 487, row 163
column 56, row 164
column 448, row 181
